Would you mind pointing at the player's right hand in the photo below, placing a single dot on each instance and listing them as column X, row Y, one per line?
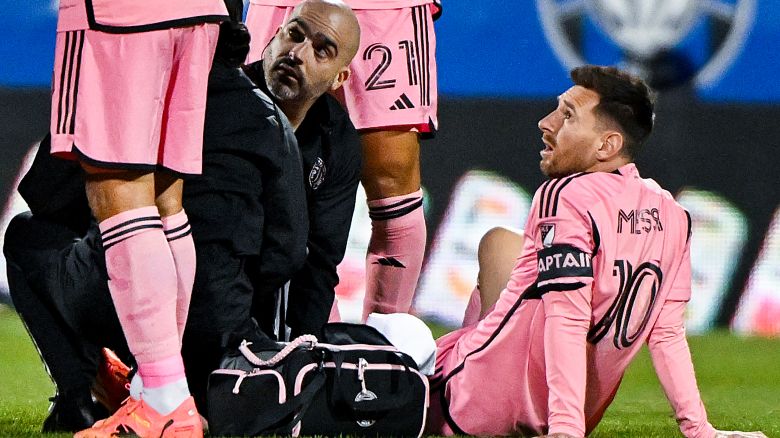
column 738, row 434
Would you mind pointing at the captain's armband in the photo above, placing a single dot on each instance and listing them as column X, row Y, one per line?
column 564, row 266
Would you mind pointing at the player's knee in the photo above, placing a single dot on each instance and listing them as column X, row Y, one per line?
column 390, row 176
column 112, row 193
column 501, row 239
column 386, row 186
column 391, row 163
column 168, row 205
column 168, row 193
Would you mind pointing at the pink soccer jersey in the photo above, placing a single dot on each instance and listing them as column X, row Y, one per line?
column 123, row 16
column 605, row 268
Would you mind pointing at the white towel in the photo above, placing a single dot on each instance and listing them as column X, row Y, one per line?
column 410, row 335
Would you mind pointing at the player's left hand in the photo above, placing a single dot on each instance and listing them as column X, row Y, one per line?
column 738, row 434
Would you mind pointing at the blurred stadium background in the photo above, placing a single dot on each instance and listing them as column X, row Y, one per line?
column 501, row 65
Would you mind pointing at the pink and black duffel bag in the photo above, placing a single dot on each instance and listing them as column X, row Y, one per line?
column 352, row 382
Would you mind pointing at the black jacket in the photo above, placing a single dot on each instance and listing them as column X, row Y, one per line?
column 330, row 147
column 249, row 195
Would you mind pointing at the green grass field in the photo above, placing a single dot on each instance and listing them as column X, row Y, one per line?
column 739, row 380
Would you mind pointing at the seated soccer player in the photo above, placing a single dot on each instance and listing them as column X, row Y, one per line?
column 604, row 268
column 247, row 211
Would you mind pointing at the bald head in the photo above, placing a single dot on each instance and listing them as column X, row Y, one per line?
column 340, row 17
column 311, row 52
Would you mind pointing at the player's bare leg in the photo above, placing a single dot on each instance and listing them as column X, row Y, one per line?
column 497, row 255
column 111, row 192
column 391, row 178
column 391, row 163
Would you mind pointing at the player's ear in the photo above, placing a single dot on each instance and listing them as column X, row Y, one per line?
column 340, row 78
column 611, row 146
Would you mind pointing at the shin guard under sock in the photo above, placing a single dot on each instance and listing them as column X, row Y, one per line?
column 179, row 235
column 395, row 253
column 142, row 282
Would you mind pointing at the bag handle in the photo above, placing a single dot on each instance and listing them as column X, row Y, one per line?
column 295, row 343
column 377, row 406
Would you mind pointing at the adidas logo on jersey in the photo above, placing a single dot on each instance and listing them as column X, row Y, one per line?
column 403, row 102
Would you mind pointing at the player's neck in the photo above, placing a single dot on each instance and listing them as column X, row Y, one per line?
column 610, row 165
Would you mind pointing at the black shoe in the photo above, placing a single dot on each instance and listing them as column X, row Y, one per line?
column 71, row 412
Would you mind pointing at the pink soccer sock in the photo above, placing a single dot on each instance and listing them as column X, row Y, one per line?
column 164, row 384
column 142, row 282
column 161, row 372
column 179, row 235
column 395, row 253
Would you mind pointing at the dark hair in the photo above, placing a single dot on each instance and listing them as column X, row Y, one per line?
column 624, row 99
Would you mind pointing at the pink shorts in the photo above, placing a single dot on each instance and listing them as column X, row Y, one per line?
column 393, row 82
column 132, row 101
column 490, row 376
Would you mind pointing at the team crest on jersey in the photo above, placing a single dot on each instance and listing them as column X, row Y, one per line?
column 317, row 174
column 547, row 231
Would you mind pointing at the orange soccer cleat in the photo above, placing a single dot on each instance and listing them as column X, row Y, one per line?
column 112, row 384
column 136, row 418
